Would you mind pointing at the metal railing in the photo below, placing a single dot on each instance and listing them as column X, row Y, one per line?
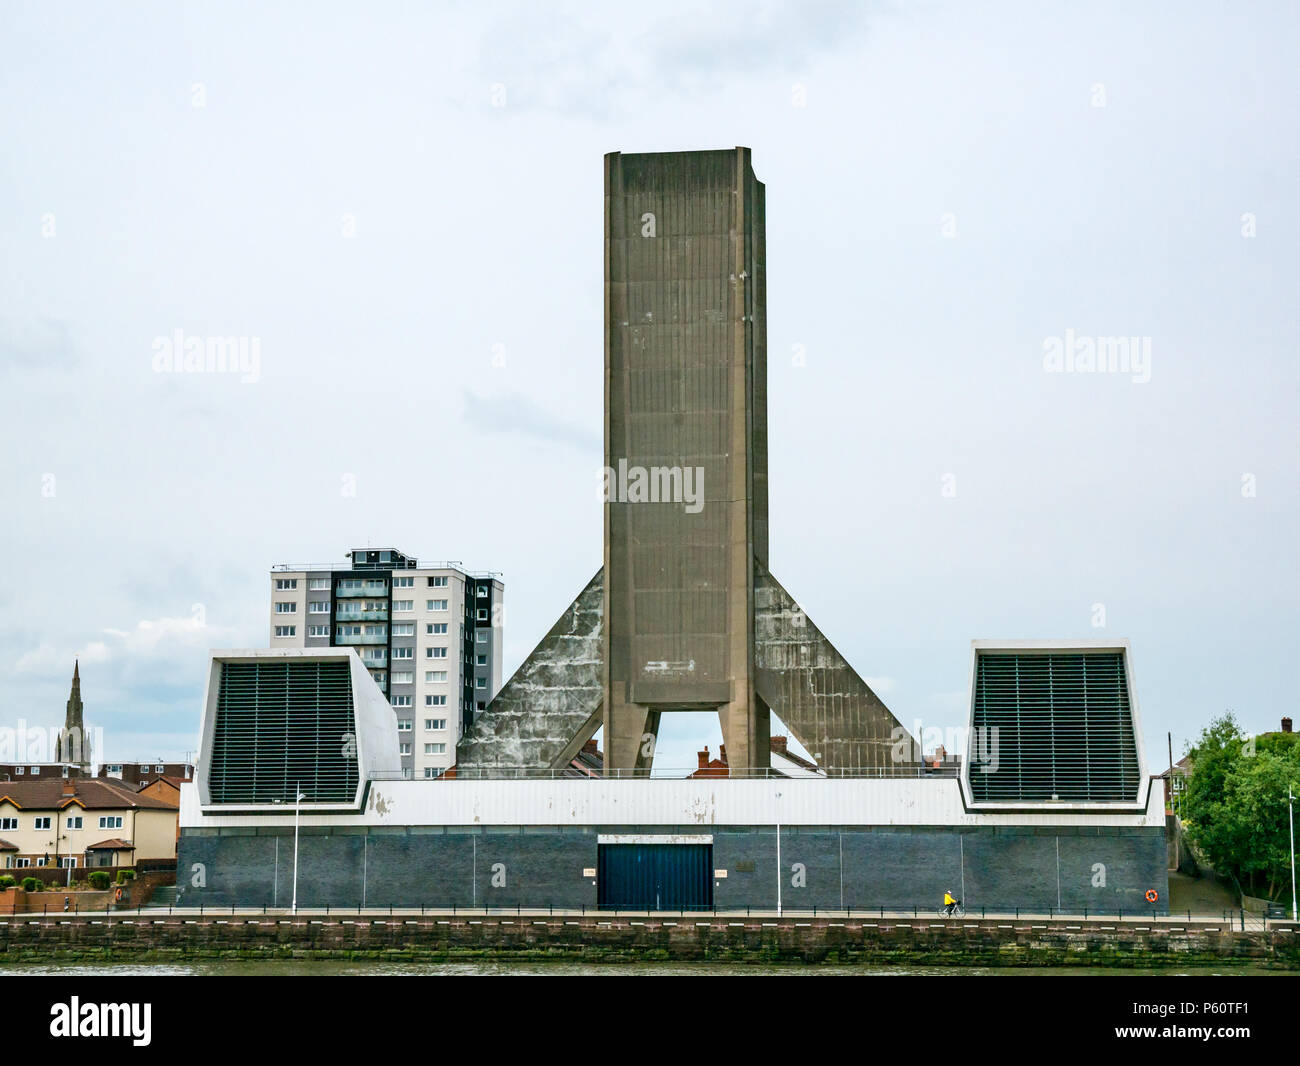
column 759, row 773
column 412, row 564
column 1234, row 919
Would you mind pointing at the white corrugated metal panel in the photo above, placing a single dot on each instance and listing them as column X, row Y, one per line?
column 699, row 802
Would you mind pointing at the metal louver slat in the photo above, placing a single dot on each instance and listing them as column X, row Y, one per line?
column 1053, row 726
column 280, row 724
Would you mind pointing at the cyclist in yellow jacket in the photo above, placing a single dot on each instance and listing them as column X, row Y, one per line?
column 949, row 902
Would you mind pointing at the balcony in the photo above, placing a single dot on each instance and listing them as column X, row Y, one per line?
column 367, row 588
column 365, row 638
column 351, row 614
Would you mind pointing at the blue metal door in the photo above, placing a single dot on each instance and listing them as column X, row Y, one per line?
column 655, row 877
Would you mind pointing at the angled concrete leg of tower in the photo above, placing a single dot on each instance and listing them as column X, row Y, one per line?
column 631, row 735
column 551, row 706
column 812, row 688
column 746, row 731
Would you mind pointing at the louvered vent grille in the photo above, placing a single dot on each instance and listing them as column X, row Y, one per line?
column 1053, row 726
column 283, row 723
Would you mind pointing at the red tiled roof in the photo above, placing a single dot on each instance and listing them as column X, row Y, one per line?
column 115, row 844
column 90, row 793
column 6, row 846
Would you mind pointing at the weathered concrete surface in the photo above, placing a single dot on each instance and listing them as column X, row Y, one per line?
column 685, row 373
column 811, row 687
column 620, row 938
column 552, row 704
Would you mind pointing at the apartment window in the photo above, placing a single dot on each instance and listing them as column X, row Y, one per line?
column 22, row 864
column 437, row 582
column 403, row 653
column 68, row 862
column 480, row 682
column 482, row 660
column 319, row 584
column 74, row 822
column 376, row 631
column 432, row 771
column 286, row 631
column 403, row 582
column 403, row 725
column 437, row 605
column 435, row 723
column 435, row 749
column 403, row 605
column 435, row 675
column 404, row 629
column 41, row 823
column 380, row 677
column 318, row 631
column 435, row 653
column 110, row 821
column 482, row 614
column 348, row 631
column 401, row 701
column 19, row 771
column 403, row 749
column 285, row 607
column 434, row 628
column 435, row 701
column 284, row 584
column 318, row 607
column 481, row 638
column 482, row 706
column 403, row 677
column 482, row 591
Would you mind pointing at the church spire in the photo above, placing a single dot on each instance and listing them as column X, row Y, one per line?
column 73, row 745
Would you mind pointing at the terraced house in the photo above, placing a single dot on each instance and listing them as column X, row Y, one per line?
column 82, row 822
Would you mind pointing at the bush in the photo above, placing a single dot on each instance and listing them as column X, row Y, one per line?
column 6, row 881
column 32, row 884
column 123, row 876
column 99, row 880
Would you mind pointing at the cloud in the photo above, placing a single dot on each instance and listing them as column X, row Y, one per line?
column 514, row 413
column 151, row 639
column 595, row 67
column 35, row 343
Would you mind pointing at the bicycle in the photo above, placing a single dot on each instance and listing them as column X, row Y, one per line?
column 955, row 910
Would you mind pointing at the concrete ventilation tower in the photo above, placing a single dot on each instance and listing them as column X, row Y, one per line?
column 684, row 614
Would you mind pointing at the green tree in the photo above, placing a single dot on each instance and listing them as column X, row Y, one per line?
column 1236, row 804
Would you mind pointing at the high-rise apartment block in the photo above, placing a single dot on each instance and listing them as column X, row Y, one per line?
column 429, row 634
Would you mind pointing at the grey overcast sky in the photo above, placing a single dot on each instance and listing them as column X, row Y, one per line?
column 387, row 196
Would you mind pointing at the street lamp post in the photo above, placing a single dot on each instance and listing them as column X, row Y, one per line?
column 297, row 808
column 1290, row 814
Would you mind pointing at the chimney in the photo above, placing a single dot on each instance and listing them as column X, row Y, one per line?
column 703, row 757
column 722, row 754
column 589, row 748
column 1286, row 725
column 69, row 787
column 779, row 745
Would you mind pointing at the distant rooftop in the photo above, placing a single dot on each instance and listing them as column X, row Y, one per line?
column 385, row 559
